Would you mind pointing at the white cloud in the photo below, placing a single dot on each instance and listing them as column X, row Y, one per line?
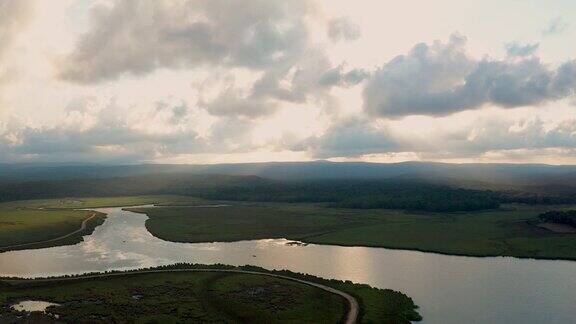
column 14, row 16
column 441, row 79
column 479, row 137
column 516, row 49
column 139, row 36
column 556, row 26
column 94, row 131
column 343, row 28
column 242, row 80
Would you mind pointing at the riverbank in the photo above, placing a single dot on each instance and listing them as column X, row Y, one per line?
column 24, row 228
column 88, row 225
column 463, row 290
column 503, row 232
column 34, row 224
column 217, row 293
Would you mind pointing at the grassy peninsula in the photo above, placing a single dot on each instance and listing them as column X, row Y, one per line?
column 207, row 297
column 508, row 231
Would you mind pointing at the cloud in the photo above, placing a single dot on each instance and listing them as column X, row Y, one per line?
column 556, row 26
column 441, row 79
column 486, row 136
column 296, row 83
column 357, row 137
column 14, row 15
column 351, row 137
column 265, row 38
column 343, row 29
column 337, row 77
column 92, row 131
column 516, row 49
column 232, row 134
column 138, row 36
column 310, row 79
column 231, row 102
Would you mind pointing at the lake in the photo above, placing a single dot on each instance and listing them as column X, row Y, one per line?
column 448, row 289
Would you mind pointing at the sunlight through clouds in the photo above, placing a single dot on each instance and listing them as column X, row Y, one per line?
column 218, row 81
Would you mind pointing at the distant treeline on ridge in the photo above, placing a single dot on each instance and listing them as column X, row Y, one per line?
column 417, row 195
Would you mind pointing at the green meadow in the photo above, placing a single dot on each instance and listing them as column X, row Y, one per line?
column 509, row 231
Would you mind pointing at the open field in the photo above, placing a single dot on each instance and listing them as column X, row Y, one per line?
column 25, row 222
column 247, row 221
column 504, row 232
column 206, row 296
column 24, row 226
column 100, row 202
column 176, row 297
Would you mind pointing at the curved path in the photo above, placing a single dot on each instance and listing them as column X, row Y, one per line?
column 353, row 307
column 80, row 230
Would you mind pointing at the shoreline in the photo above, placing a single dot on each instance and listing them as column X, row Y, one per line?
column 85, row 228
column 304, row 240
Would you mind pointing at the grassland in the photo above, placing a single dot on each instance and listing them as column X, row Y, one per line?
column 101, row 202
column 207, row 297
column 504, row 232
column 27, row 226
column 30, row 221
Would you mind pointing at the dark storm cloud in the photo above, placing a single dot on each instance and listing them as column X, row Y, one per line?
column 441, row 79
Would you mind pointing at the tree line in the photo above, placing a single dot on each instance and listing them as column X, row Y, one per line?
column 353, row 193
column 360, row 194
column 567, row 217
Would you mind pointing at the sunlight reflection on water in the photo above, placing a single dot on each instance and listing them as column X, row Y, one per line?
column 449, row 289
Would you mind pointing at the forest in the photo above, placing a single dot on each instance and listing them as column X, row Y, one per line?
column 359, row 194
column 567, row 217
column 416, row 195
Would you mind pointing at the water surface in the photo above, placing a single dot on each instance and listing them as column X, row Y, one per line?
column 33, row 306
column 448, row 289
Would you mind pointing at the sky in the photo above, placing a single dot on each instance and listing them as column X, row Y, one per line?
column 221, row 81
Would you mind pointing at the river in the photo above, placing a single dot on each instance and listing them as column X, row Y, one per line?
column 448, row 289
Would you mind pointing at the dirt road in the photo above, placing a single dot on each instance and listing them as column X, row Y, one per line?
column 353, row 307
column 80, row 230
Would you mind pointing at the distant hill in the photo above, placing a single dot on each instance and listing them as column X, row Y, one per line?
column 411, row 185
column 525, row 177
column 154, row 184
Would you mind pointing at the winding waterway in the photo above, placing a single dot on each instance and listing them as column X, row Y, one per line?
column 448, row 289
